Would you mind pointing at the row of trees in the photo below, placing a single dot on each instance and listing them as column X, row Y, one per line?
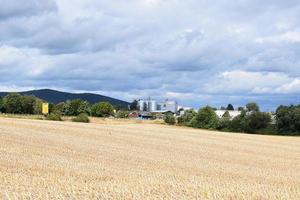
column 230, row 108
column 17, row 104
column 251, row 120
column 79, row 106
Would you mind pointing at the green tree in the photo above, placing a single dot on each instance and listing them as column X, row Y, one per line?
column 288, row 118
column 51, row 107
column 120, row 107
column 28, row 104
column 230, row 107
column 84, row 107
column 102, row 109
column 252, row 107
column 283, row 118
column 13, row 103
column 38, row 106
column 249, row 122
column 187, row 117
column 76, row 107
column 223, row 123
column 60, row 108
column 170, row 119
column 1, row 105
column 257, row 120
column 238, row 124
column 67, row 110
column 296, row 116
column 134, row 105
column 205, row 118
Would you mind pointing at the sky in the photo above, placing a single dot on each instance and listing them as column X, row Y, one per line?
column 198, row 52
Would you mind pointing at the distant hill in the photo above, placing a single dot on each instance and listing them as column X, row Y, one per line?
column 54, row 96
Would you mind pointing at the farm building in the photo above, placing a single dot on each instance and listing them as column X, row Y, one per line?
column 157, row 107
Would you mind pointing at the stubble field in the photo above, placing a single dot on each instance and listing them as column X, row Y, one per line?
column 64, row 160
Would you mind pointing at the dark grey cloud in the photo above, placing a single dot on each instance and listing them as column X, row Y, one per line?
column 198, row 52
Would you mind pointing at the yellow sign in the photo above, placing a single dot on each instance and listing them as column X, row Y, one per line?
column 45, row 108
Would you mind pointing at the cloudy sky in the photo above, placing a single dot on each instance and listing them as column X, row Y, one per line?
column 198, row 52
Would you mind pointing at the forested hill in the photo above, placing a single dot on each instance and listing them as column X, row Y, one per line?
column 54, row 96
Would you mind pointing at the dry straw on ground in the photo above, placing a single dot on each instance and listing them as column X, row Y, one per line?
column 64, row 160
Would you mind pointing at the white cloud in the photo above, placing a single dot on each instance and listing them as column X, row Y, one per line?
column 16, row 63
column 233, row 82
column 290, row 36
column 292, row 87
column 179, row 95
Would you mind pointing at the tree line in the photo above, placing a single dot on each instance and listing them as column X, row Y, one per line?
column 250, row 120
column 15, row 103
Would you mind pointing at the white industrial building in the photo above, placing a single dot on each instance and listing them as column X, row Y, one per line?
column 151, row 105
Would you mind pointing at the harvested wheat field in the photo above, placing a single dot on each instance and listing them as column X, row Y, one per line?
column 64, row 160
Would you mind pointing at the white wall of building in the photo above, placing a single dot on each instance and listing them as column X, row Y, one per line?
column 232, row 113
column 152, row 106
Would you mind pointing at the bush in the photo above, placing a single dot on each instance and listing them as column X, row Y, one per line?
column 54, row 117
column 269, row 130
column 102, row 109
column 170, row 119
column 84, row 118
column 205, row 118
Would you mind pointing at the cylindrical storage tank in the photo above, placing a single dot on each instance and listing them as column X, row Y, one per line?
column 153, row 106
column 141, row 105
